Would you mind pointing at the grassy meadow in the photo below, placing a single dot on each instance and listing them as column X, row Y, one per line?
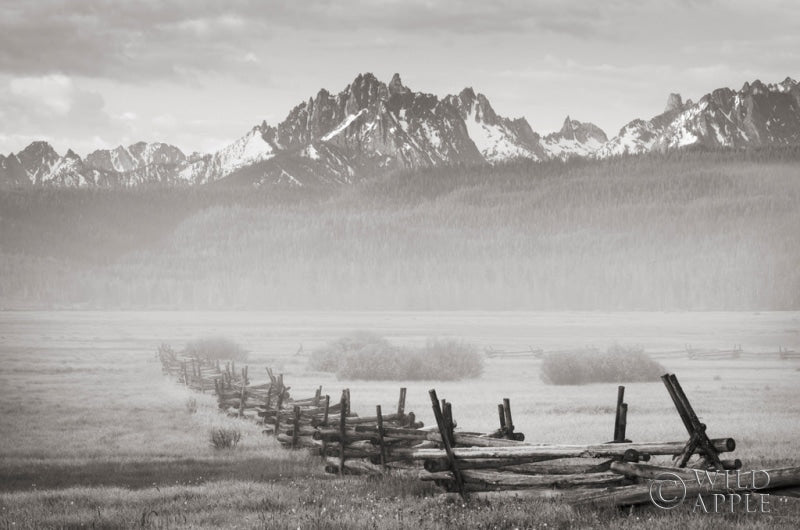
column 94, row 435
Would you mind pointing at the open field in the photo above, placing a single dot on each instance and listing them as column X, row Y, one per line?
column 93, row 434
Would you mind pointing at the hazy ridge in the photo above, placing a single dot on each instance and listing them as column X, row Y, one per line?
column 686, row 230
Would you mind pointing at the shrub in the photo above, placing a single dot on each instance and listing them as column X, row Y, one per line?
column 328, row 358
column 225, row 438
column 216, row 348
column 367, row 356
column 618, row 364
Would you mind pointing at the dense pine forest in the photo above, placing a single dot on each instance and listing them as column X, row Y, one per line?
column 689, row 230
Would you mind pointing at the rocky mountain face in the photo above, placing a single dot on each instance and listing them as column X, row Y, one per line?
column 757, row 115
column 574, row 139
column 372, row 127
column 141, row 163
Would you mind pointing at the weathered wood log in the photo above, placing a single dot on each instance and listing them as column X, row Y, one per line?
column 647, row 471
column 335, row 436
column 300, row 441
column 528, row 494
column 469, row 440
column 569, row 451
column 501, row 433
column 372, row 455
column 483, row 480
column 529, row 465
column 302, row 431
column 764, row 482
column 352, row 467
column 356, row 420
column 464, row 439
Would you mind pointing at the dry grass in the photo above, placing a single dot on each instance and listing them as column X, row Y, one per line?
column 93, row 434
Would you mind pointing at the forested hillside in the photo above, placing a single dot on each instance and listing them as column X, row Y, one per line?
column 688, row 230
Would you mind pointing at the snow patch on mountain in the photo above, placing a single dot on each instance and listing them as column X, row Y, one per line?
column 493, row 141
column 344, row 125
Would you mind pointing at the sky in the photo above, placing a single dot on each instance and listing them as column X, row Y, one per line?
column 91, row 74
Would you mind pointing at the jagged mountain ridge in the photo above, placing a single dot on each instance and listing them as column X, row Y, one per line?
column 368, row 128
column 756, row 115
column 372, row 127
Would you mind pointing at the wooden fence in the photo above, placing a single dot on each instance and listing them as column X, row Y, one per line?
column 496, row 464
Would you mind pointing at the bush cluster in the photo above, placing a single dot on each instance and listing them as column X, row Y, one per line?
column 220, row 348
column 618, row 364
column 367, row 356
column 225, row 438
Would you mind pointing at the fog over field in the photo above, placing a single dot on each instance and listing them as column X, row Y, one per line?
column 686, row 231
column 399, row 264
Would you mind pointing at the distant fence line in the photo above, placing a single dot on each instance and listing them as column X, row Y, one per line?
column 736, row 352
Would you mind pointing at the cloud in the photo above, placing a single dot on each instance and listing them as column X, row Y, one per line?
column 113, row 69
column 53, row 107
column 53, row 91
column 185, row 39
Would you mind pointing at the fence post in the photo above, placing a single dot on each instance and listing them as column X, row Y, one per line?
column 296, row 429
column 324, row 450
column 381, row 443
column 401, row 403
column 509, row 422
column 342, row 429
column 448, row 422
column 619, row 436
column 278, row 411
column 447, row 443
column 501, row 413
column 243, row 395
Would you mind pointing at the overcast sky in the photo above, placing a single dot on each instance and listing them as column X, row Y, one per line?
column 88, row 74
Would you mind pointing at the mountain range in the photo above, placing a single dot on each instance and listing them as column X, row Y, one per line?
column 372, row 127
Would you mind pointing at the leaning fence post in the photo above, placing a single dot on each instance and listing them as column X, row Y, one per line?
column 501, row 413
column 447, row 443
column 698, row 438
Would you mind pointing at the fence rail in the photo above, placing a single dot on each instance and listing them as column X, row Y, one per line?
column 495, row 464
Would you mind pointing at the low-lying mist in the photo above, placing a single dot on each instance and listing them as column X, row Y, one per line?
column 687, row 231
